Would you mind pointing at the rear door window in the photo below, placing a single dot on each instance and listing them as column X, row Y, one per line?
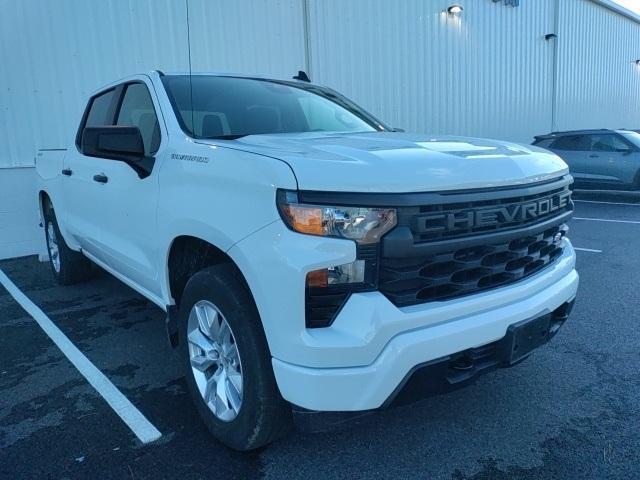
column 575, row 143
column 544, row 143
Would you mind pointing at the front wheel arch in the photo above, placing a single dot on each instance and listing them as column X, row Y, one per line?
column 187, row 256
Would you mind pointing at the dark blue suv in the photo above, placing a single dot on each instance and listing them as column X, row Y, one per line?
column 607, row 159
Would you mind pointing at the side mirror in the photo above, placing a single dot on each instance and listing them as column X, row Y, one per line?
column 114, row 141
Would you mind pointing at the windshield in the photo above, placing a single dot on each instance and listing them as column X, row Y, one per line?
column 632, row 136
column 232, row 107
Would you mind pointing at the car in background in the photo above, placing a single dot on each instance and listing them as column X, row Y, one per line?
column 606, row 159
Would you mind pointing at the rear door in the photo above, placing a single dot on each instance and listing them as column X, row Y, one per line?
column 573, row 149
column 610, row 160
column 83, row 199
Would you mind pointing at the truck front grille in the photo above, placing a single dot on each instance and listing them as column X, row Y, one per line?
column 468, row 242
column 409, row 281
column 458, row 217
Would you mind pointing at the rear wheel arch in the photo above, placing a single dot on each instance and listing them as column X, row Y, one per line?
column 44, row 202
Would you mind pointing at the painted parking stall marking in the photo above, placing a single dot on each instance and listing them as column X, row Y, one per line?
column 130, row 415
column 607, row 220
column 608, row 203
column 591, row 250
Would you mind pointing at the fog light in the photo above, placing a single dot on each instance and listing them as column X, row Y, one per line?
column 339, row 275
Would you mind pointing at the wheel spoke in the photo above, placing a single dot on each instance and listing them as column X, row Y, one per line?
column 221, row 392
column 210, row 389
column 233, row 395
column 224, row 334
column 235, row 379
column 197, row 339
column 202, row 363
column 232, row 355
column 205, row 319
column 215, row 326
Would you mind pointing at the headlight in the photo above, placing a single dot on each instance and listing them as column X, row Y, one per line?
column 327, row 289
column 361, row 224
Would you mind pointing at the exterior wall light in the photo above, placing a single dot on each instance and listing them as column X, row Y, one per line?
column 455, row 10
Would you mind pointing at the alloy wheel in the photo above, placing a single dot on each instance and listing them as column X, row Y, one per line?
column 215, row 360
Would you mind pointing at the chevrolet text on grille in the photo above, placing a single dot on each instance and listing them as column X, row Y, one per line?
column 486, row 217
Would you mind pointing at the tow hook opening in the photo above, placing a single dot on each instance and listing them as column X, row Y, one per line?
column 462, row 363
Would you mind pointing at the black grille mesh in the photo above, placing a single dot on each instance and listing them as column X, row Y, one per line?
column 409, row 281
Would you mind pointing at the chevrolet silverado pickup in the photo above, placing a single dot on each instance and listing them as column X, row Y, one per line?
column 311, row 260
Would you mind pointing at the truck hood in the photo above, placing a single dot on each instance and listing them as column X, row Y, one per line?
column 401, row 162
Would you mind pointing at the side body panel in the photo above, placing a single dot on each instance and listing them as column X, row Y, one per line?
column 49, row 166
column 217, row 194
column 576, row 162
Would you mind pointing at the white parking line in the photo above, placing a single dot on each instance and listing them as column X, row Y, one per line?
column 609, row 203
column 587, row 250
column 135, row 420
column 607, row 220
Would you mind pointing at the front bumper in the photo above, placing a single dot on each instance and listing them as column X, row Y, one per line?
column 371, row 386
column 451, row 372
column 359, row 361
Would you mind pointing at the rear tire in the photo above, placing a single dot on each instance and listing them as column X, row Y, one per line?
column 227, row 361
column 68, row 266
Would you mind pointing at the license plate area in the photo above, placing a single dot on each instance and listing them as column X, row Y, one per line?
column 524, row 337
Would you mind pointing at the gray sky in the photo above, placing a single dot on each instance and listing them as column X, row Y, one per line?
column 633, row 5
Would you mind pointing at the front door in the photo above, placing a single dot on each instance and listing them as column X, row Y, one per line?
column 611, row 160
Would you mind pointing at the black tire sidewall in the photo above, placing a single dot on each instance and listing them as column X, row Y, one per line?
column 261, row 400
column 74, row 266
column 50, row 218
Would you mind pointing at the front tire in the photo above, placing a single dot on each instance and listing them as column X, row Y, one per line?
column 68, row 266
column 227, row 361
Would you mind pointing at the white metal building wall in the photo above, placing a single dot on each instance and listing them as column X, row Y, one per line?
column 262, row 37
column 487, row 73
column 53, row 54
column 598, row 79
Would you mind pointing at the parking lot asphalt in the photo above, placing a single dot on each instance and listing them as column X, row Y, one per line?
column 571, row 410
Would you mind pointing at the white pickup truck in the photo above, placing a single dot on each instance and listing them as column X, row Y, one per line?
column 310, row 259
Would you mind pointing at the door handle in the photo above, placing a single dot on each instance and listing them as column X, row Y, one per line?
column 594, row 156
column 67, row 172
column 100, row 178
